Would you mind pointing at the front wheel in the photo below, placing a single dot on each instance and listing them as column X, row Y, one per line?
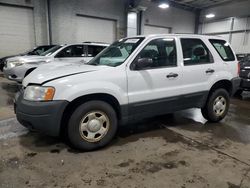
column 92, row 125
column 217, row 105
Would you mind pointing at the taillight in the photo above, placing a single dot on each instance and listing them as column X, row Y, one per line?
column 238, row 69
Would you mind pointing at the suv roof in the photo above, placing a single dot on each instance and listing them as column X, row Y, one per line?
column 179, row 35
column 87, row 43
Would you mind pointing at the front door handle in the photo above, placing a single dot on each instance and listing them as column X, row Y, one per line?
column 172, row 75
column 210, row 71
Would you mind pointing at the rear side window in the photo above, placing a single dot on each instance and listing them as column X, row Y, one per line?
column 71, row 51
column 223, row 48
column 94, row 50
column 195, row 52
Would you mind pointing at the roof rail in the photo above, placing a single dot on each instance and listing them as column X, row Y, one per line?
column 95, row 42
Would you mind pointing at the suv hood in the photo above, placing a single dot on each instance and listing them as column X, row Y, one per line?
column 29, row 58
column 46, row 72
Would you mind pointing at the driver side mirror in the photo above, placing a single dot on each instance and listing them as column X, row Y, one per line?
column 143, row 63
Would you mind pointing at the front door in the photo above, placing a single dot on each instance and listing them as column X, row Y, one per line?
column 152, row 89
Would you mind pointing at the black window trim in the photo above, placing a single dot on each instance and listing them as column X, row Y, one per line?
column 219, row 52
column 192, row 64
column 152, row 68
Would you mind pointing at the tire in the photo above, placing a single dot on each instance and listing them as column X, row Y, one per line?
column 87, row 121
column 217, row 106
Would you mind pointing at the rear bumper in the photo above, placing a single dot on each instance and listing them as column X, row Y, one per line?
column 236, row 84
column 42, row 116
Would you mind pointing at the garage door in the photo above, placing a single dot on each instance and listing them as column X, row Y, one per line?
column 16, row 30
column 148, row 29
column 95, row 30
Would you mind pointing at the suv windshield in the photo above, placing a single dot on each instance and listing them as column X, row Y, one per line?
column 51, row 50
column 117, row 52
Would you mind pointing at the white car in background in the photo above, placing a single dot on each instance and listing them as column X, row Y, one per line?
column 17, row 68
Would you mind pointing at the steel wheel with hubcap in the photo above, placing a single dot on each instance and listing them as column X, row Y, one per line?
column 217, row 105
column 92, row 125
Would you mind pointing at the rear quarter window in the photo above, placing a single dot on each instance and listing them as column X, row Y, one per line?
column 223, row 49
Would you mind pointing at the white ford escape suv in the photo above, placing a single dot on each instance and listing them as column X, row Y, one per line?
column 133, row 78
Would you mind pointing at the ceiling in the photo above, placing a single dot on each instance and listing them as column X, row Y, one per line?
column 200, row 4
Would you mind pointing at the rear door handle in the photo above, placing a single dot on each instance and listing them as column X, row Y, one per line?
column 172, row 75
column 210, row 71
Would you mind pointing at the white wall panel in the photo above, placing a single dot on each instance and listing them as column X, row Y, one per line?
column 16, row 30
column 181, row 21
column 155, row 30
column 240, row 24
column 224, row 36
column 94, row 29
column 214, row 27
column 132, row 24
column 241, row 42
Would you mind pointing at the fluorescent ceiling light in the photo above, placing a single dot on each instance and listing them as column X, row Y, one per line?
column 210, row 15
column 163, row 5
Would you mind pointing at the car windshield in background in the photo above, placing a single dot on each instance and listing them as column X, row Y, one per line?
column 51, row 51
column 116, row 53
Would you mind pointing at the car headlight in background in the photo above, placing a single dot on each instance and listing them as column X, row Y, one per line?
column 12, row 64
column 39, row 93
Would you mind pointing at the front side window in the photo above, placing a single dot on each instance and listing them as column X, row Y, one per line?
column 94, row 50
column 72, row 51
column 195, row 52
column 223, row 48
column 160, row 52
column 117, row 53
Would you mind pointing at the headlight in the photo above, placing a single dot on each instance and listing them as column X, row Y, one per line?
column 39, row 93
column 12, row 64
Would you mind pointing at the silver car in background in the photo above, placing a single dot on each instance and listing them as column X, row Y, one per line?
column 17, row 68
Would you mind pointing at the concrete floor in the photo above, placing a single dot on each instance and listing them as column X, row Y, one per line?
column 180, row 150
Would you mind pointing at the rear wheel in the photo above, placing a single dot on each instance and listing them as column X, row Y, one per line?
column 92, row 125
column 217, row 105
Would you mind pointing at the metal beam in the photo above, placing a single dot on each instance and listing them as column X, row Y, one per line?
column 197, row 21
column 223, row 3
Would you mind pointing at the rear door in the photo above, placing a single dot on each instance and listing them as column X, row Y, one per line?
column 198, row 69
column 153, row 90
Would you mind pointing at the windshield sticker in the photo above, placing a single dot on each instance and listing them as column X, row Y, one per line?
column 132, row 40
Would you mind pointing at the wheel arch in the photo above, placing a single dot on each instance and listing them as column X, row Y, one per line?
column 225, row 84
column 110, row 99
column 29, row 71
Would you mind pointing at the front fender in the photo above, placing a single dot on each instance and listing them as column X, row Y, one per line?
column 71, row 92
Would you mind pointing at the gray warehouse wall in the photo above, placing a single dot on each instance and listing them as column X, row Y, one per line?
column 40, row 26
column 236, row 9
column 181, row 21
column 232, row 25
column 63, row 16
